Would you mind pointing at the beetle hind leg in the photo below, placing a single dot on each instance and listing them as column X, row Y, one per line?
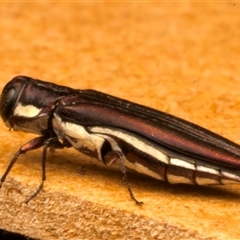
column 112, row 156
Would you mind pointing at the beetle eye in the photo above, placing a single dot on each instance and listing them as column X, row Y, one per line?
column 7, row 103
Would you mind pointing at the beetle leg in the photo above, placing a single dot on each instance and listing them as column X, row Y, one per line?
column 31, row 145
column 111, row 157
column 51, row 143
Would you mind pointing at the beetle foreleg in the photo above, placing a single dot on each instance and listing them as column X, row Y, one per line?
column 31, row 145
column 51, row 143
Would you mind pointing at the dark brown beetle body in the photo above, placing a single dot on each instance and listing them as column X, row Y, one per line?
column 110, row 129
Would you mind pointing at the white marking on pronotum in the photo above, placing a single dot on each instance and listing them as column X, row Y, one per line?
column 138, row 144
column 201, row 168
column 26, row 111
column 92, row 142
column 182, row 163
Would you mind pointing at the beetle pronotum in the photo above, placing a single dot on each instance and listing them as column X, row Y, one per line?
column 112, row 129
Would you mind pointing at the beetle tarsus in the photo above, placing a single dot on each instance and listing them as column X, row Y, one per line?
column 125, row 178
column 35, row 193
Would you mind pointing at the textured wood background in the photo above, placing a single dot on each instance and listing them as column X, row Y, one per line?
column 182, row 58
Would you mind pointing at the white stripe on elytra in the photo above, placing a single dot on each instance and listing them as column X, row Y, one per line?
column 138, row 144
column 131, row 165
column 201, row 168
column 92, row 142
column 147, row 148
column 26, row 111
column 230, row 175
column 182, row 163
column 95, row 141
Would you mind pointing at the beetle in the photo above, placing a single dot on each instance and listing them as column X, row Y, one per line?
column 113, row 130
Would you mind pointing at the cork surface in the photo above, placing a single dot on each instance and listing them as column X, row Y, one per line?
column 182, row 58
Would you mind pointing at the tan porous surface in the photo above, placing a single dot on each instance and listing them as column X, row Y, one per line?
column 182, row 58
